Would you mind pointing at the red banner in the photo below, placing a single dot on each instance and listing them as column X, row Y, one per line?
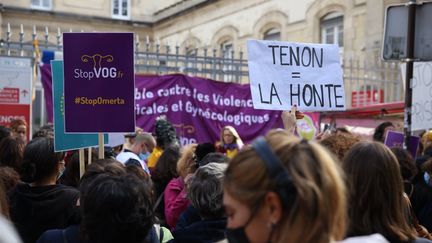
column 11, row 112
column 365, row 98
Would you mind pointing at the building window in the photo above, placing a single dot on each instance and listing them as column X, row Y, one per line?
column 121, row 9
column 272, row 34
column 191, row 54
column 226, row 48
column 41, row 4
column 332, row 29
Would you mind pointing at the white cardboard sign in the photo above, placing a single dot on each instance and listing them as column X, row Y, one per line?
column 422, row 96
column 15, row 80
column 283, row 74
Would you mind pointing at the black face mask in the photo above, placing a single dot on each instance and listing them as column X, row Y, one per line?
column 237, row 235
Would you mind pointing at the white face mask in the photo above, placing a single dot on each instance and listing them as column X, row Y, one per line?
column 144, row 156
column 427, row 179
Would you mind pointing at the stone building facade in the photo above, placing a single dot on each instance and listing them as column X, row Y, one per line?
column 356, row 25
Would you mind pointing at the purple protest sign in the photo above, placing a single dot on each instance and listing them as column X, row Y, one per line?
column 99, row 82
column 396, row 139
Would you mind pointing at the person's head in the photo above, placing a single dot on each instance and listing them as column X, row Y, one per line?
column 205, row 190
column 339, row 143
column 149, row 142
column 294, row 193
column 106, row 166
column 166, row 168
column 426, row 139
column 11, row 152
column 44, row 131
column 165, row 133
column 186, row 164
column 202, row 150
column 427, row 166
column 4, row 132
column 230, row 136
column 19, row 128
column 40, row 162
column 342, row 130
column 138, row 146
column 101, row 166
column 117, row 209
column 406, row 163
column 71, row 175
column 214, row 158
column 381, row 131
column 372, row 169
column 9, row 177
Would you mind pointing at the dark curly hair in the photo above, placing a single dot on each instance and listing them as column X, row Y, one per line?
column 9, row 177
column 11, row 152
column 339, row 144
column 40, row 161
column 379, row 131
column 117, row 209
column 44, row 131
column 165, row 133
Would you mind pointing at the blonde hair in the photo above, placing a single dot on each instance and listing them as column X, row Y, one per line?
column 237, row 139
column 426, row 139
column 186, row 164
column 318, row 211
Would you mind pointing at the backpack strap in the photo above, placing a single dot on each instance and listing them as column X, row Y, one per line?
column 161, row 234
column 157, row 230
column 64, row 236
column 158, row 201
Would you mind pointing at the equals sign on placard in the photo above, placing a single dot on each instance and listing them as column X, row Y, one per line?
column 295, row 74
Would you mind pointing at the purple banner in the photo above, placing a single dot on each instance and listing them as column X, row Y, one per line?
column 98, row 82
column 46, row 80
column 199, row 108
column 396, row 139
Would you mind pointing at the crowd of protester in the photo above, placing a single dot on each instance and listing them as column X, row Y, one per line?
column 337, row 187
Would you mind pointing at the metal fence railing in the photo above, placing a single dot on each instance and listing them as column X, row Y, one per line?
column 367, row 84
column 150, row 56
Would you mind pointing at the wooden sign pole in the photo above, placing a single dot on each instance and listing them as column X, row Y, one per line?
column 101, row 146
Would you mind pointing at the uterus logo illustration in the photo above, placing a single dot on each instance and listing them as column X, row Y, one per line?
column 100, row 67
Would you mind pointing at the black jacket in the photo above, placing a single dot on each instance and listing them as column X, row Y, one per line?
column 201, row 232
column 34, row 210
